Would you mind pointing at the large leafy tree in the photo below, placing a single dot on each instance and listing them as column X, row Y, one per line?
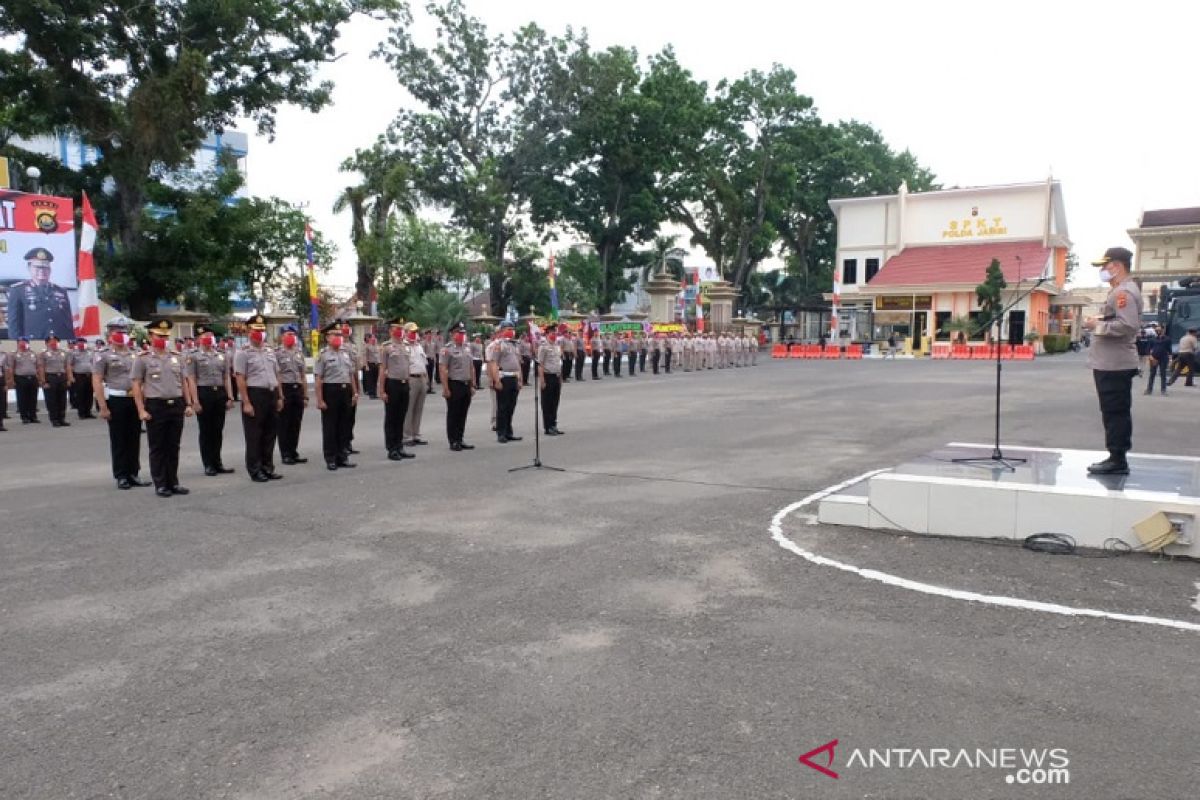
column 145, row 82
column 624, row 130
column 725, row 190
column 482, row 125
column 265, row 247
column 421, row 257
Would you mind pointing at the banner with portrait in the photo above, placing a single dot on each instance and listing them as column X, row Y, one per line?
column 38, row 274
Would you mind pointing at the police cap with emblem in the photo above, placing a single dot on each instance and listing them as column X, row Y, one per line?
column 397, row 322
column 257, row 323
column 331, row 328
column 202, row 329
column 39, row 254
column 1114, row 254
column 160, row 327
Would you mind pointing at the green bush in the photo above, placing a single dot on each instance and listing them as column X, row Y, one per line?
column 1056, row 342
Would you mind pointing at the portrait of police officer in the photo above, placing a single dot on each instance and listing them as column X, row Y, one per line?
column 38, row 308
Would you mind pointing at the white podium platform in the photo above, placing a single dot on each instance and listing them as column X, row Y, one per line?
column 1051, row 493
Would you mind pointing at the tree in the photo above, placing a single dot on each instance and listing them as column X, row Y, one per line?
column 625, row 130
column 726, row 189
column 144, row 83
column 990, row 296
column 266, row 244
column 482, row 125
column 579, row 280
column 438, row 309
column 420, row 257
column 1072, row 264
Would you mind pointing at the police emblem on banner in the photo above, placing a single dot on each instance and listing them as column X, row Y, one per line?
column 45, row 215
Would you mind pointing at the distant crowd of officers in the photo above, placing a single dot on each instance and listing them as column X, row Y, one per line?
column 154, row 388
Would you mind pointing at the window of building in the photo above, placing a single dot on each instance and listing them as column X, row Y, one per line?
column 849, row 271
column 872, row 268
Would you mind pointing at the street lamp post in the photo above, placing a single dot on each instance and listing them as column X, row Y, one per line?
column 35, row 177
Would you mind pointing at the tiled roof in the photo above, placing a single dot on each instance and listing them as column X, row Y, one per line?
column 962, row 263
column 1170, row 217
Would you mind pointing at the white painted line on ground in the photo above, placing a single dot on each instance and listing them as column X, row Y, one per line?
column 942, row 591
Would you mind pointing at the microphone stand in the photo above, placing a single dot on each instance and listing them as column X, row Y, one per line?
column 997, row 460
column 537, row 446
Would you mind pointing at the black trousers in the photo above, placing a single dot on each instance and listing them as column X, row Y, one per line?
column 595, row 366
column 457, row 406
column 124, row 437
column 668, row 355
column 210, row 420
column 1115, row 390
column 618, row 357
column 335, row 421
column 290, row 419
column 579, row 367
column 430, row 370
column 393, row 413
column 1182, row 361
column 633, row 362
column 550, row 397
column 641, row 361
column 370, row 377
column 260, row 430
column 3, row 400
column 55, row 394
column 655, row 357
column 1160, row 369
column 568, row 363
column 478, row 372
column 607, row 360
column 525, row 364
column 81, row 394
column 164, row 432
column 506, row 406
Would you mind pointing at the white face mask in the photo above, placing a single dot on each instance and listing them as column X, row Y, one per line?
column 1106, row 275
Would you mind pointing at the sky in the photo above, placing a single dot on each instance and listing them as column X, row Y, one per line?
column 1102, row 96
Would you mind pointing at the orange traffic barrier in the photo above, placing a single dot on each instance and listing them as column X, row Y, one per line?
column 796, row 351
column 960, row 351
column 832, row 351
column 854, row 351
column 941, row 351
column 980, row 352
column 1023, row 352
column 779, row 351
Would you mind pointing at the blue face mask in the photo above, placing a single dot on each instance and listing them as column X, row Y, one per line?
column 1106, row 275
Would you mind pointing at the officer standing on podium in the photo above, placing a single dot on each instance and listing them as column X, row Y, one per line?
column 162, row 399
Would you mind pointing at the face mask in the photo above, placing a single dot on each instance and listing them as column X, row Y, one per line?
column 289, row 340
column 117, row 338
column 398, row 335
column 1106, row 275
column 159, row 343
column 508, row 333
column 207, row 341
column 53, row 345
column 80, row 346
column 257, row 336
column 22, row 345
column 335, row 342
column 459, row 338
column 552, row 337
column 412, row 337
column 345, row 330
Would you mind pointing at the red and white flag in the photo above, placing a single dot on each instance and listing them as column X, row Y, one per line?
column 837, row 302
column 87, row 317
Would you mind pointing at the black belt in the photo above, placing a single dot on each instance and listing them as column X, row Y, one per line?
column 213, row 386
column 292, row 383
column 165, row 401
column 260, row 389
column 398, row 380
column 459, row 380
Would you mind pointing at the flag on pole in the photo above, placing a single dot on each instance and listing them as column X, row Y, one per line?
column 553, row 292
column 313, row 297
column 699, row 305
column 87, row 317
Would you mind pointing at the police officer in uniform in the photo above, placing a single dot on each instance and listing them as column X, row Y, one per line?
column 394, row 371
column 336, row 380
column 6, row 379
column 577, row 341
column 505, row 370
column 80, row 362
column 54, row 374
column 567, row 345
column 477, row 357
column 418, row 378
column 595, row 344
column 370, row 376
column 293, row 378
column 257, row 374
column 112, row 384
column 550, row 370
column 1113, row 358
column 356, row 360
column 209, row 371
column 457, row 374
column 37, row 307
column 162, row 399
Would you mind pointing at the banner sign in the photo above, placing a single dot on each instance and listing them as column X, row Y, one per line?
column 668, row 327
column 618, row 327
column 37, row 264
column 905, row 302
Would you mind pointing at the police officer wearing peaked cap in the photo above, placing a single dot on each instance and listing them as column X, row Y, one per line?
column 162, row 399
column 336, row 376
column 457, row 373
column 37, row 307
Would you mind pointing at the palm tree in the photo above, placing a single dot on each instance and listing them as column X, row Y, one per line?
column 438, row 309
column 960, row 325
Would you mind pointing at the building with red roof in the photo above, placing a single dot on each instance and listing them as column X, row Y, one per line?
column 907, row 264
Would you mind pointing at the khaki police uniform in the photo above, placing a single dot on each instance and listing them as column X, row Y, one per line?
column 293, row 380
column 80, row 361
column 550, row 370
column 158, row 381
column 507, row 363
column 257, row 367
column 54, row 372
column 1114, row 361
column 333, row 370
column 419, row 382
column 394, row 376
column 112, row 381
column 458, row 381
column 209, row 370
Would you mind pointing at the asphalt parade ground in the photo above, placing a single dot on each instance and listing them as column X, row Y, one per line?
column 628, row 628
